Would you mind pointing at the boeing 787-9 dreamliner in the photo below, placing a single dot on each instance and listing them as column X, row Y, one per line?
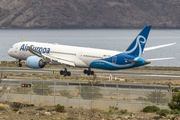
column 37, row 55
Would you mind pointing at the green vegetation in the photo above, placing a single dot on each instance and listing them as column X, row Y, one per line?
column 151, row 109
column 19, row 89
column 123, row 111
column 41, row 89
column 175, row 102
column 90, row 91
column 15, row 109
column 113, row 109
column 163, row 112
column 65, row 93
column 157, row 97
column 59, row 108
column 175, row 111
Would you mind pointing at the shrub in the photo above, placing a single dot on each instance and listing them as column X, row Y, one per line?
column 175, row 111
column 15, row 109
column 123, row 111
column 5, row 76
column 175, row 102
column 112, row 109
column 173, row 118
column 90, row 91
column 41, row 89
column 59, row 108
column 65, row 93
column 151, row 109
column 175, row 90
column 22, row 90
column 157, row 97
column 164, row 112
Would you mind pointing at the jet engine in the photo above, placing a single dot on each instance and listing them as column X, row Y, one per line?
column 35, row 62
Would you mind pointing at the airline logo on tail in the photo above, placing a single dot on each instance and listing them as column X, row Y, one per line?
column 130, row 58
column 137, row 46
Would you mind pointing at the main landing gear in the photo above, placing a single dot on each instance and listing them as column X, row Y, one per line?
column 88, row 72
column 19, row 65
column 65, row 72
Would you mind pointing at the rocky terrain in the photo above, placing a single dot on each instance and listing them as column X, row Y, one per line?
column 89, row 13
column 8, row 112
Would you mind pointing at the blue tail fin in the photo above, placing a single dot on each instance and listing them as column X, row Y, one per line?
column 137, row 46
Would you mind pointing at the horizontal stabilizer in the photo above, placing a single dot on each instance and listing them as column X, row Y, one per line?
column 156, row 59
column 131, row 61
column 159, row 46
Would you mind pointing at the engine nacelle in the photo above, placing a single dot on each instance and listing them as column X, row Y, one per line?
column 35, row 62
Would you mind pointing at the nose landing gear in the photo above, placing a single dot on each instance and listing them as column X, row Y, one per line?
column 65, row 72
column 88, row 72
column 19, row 65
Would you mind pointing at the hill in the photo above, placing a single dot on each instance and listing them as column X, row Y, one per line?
column 89, row 13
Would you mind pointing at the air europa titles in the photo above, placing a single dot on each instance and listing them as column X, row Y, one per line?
column 25, row 47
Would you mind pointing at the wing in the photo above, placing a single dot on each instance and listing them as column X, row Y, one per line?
column 159, row 46
column 50, row 58
column 59, row 59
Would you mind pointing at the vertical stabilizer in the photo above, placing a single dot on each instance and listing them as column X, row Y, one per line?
column 137, row 46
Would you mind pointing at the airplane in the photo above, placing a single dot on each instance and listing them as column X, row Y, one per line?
column 37, row 55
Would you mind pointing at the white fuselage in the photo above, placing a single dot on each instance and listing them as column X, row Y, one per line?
column 81, row 56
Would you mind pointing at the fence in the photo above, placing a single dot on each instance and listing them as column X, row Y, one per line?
column 52, row 92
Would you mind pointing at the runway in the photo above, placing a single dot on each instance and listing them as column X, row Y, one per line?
column 96, row 71
column 12, row 82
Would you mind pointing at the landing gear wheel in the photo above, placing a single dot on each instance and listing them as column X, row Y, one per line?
column 65, row 72
column 88, row 72
column 61, row 72
column 85, row 71
column 20, row 65
column 69, row 73
column 92, row 72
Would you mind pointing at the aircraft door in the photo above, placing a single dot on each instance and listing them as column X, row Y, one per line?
column 80, row 55
column 114, row 59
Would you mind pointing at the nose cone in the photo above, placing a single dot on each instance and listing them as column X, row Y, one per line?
column 11, row 53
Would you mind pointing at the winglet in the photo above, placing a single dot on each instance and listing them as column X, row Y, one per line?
column 137, row 46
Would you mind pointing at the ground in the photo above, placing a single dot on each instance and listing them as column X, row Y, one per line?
column 31, row 113
column 48, row 113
